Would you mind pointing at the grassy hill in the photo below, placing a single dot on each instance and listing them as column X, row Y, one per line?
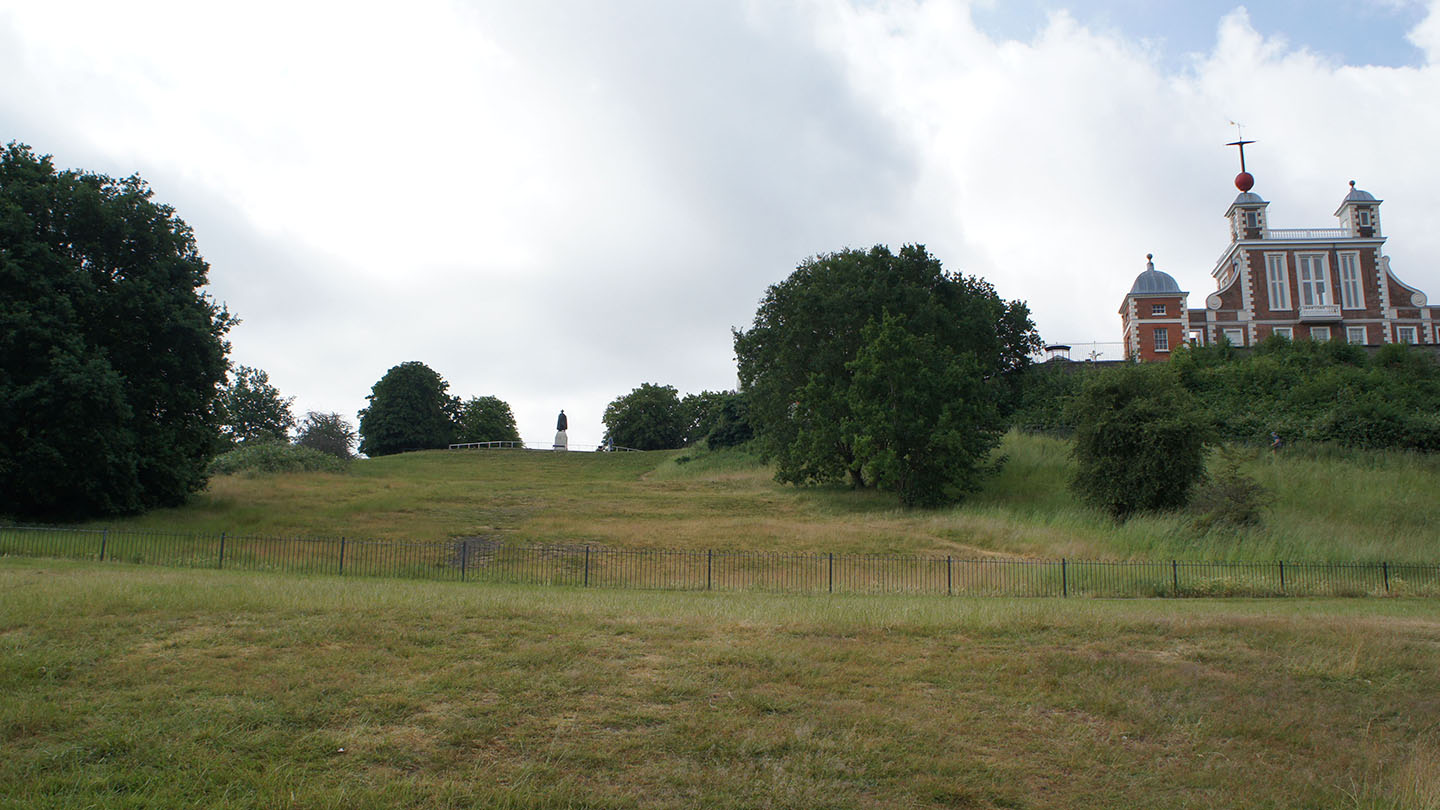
column 1330, row 505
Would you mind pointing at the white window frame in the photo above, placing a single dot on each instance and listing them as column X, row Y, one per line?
column 1320, row 334
column 1313, row 272
column 1352, row 281
column 1252, row 219
column 1235, row 336
column 1352, row 331
column 1414, row 332
column 1277, row 280
column 1157, row 309
column 1363, row 217
column 1287, row 332
column 1161, row 336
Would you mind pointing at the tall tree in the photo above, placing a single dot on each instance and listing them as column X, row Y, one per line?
column 251, row 409
column 327, row 432
column 409, row 410
column 647, row 418
column 486, row 419
column 797, row 359
column 110, row 354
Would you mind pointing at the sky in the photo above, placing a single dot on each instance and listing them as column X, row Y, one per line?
column 556, row 201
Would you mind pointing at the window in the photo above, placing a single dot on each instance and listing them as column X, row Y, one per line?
column 1197, row 337
column 1162, row 339
column 1157, row 309
column 1319, row 333
column 1312, row 280
column 1279, row 280
column 1352, row 291
column 1252, row 219
column 1355, row 334
column 1364, row 217
column 1406, row 334
column 1284, row 331
column 1235, row 336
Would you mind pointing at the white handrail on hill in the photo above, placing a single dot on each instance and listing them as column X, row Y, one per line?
column 524, row 446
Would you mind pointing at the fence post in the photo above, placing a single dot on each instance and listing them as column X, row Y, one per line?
column 104, row 535
column 1386, row 569
column 1282, row 575
column 464, row 557
column 342, row 556
column 1064, row 579
column 221, row 562
column 830, row 574
column 709, row 560
column 1175, row 576
column 949, row 578
column 587, row 566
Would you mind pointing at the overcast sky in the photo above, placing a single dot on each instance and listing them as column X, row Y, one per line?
column 554, row 202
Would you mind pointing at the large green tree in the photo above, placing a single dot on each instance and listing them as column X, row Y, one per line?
column 486, row 419
column 819, row 330
column 409, row 410
column 647, row 418
column 110, row 354
column 251, row 409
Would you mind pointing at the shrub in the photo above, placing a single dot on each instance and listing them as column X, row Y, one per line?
column 1231, row 498
column 265, row 459
column 1139, row 441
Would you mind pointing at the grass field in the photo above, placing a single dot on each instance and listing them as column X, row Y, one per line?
column 1329, row 506
column 124, row 686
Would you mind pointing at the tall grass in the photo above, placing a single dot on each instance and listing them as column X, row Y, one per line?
column 1330, row 506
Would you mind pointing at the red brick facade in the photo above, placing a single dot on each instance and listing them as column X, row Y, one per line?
column 1301, row 283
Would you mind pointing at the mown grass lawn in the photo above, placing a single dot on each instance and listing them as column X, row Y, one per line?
column 131, row 687
column 1330, row 506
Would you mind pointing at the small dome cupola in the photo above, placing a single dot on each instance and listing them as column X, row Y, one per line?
column 1247, row 212
column 1154, row 282
column 1359, row 213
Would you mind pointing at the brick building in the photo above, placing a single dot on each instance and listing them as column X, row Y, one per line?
column 1301, row 283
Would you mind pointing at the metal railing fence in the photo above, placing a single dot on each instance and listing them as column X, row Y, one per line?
column 488, row 560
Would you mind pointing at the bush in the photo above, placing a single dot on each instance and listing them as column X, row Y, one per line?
column 1230, row 499
column 266, row 459
column 1139, row 441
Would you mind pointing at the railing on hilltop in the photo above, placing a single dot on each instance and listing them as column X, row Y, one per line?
column 478, row 559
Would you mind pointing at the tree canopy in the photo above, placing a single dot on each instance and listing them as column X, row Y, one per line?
column 486, row 419
column 409, row 410
column 326, row 432
column 110, row 354
column 251, row 409
column 850, row 339
column 647, row 418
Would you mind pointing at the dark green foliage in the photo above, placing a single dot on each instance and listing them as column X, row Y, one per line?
column 264, row 458
column 923, row 418
column 796, row 359
column 707, row 412
column 1304, row 391
column 647, row 418
column 732, row 423
column 326, row 432
column 1230, row 498
column 486, row 419
column 409, row 410
column 251, row 409
column 1139, row 440
column 109, row 353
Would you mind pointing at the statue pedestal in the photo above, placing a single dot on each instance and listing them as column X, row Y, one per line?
column 562, row 442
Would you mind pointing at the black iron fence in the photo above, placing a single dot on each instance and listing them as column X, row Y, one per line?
column 488, row 560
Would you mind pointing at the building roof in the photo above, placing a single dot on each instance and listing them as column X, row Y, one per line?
column 1153, row 282
column 1248, row 198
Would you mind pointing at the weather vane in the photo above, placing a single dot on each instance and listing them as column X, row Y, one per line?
column 1244, row 180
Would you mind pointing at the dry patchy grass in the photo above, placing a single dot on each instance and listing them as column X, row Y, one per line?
column 134, row 687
